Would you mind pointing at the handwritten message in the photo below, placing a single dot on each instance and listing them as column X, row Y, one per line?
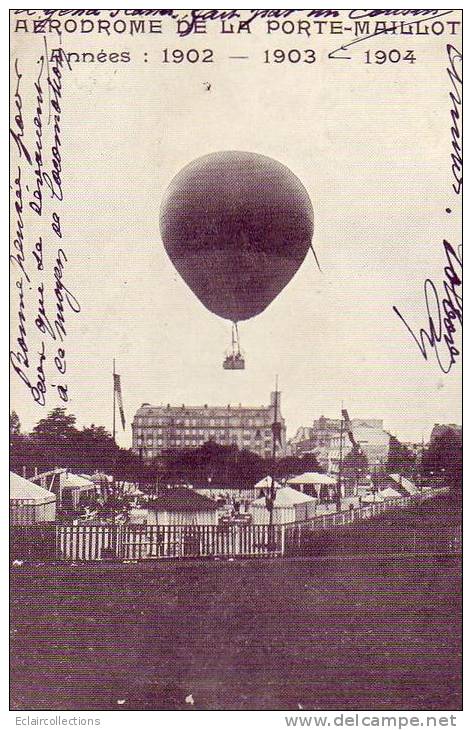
column 444, row 306
column 38, row 253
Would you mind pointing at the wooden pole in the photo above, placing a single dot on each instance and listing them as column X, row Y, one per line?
column 113, row 495
column 272, row 490
column 114, row 402
column 338, row 486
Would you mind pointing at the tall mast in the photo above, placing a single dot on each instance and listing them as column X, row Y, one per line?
column 420, row 466
column 338, row 487
column 276, row 406
column 272, row 491
column 114, row 402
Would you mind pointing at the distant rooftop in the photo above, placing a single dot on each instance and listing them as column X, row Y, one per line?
column 183, row 407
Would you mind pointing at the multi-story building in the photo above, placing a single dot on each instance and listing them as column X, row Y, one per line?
column 323, row 440
column 159, row 428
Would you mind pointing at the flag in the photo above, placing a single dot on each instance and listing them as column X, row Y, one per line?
column 119, row 397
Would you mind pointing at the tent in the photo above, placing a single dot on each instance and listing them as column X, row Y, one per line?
column 390, row 493
column 30, row 503
column 182, row 506
column 290, row 506
column 404, row 484
column 265, row 484
column 71, row 489
column 311, row 482
column 372, row 498
column 74, row 489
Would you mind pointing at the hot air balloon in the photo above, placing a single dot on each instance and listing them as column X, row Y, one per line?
column 237, row 227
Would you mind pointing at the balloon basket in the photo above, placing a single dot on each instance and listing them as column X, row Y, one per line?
column 234, row 362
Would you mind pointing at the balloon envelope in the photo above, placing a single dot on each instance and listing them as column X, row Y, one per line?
column 237, row 226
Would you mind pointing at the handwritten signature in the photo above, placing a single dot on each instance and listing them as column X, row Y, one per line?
column 444, row 315
column 455, row 75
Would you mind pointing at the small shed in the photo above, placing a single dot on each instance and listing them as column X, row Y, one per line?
column 313, row 483
column 182, row 506
column 30, row 504
column 290, row 506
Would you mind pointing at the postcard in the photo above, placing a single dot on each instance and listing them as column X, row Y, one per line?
column 235, row 359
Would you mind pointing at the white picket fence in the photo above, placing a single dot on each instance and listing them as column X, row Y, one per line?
column 138, row 542
column 92, row 542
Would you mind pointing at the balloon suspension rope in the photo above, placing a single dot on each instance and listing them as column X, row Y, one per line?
column 235, row 337
column 316, row 257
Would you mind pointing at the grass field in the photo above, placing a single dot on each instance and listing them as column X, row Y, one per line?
column 345, row 633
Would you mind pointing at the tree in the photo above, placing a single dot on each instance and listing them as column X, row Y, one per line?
column 213, row 464
column 443, row 460
column 57, row 426
column 15, row 425
column 401, row 460
column 355, row 464
column 56, row 442
column 290, row 466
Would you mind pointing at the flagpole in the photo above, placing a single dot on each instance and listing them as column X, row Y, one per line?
column 114, row 403
column 272, row 491
column 339, row 484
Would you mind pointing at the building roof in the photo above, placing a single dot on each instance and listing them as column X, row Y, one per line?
column 312, row 477
column 233, row 410
column 182, row 499
column 23, row 489
column 286, row 497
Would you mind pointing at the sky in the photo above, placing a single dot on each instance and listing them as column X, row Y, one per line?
column 371, row 146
